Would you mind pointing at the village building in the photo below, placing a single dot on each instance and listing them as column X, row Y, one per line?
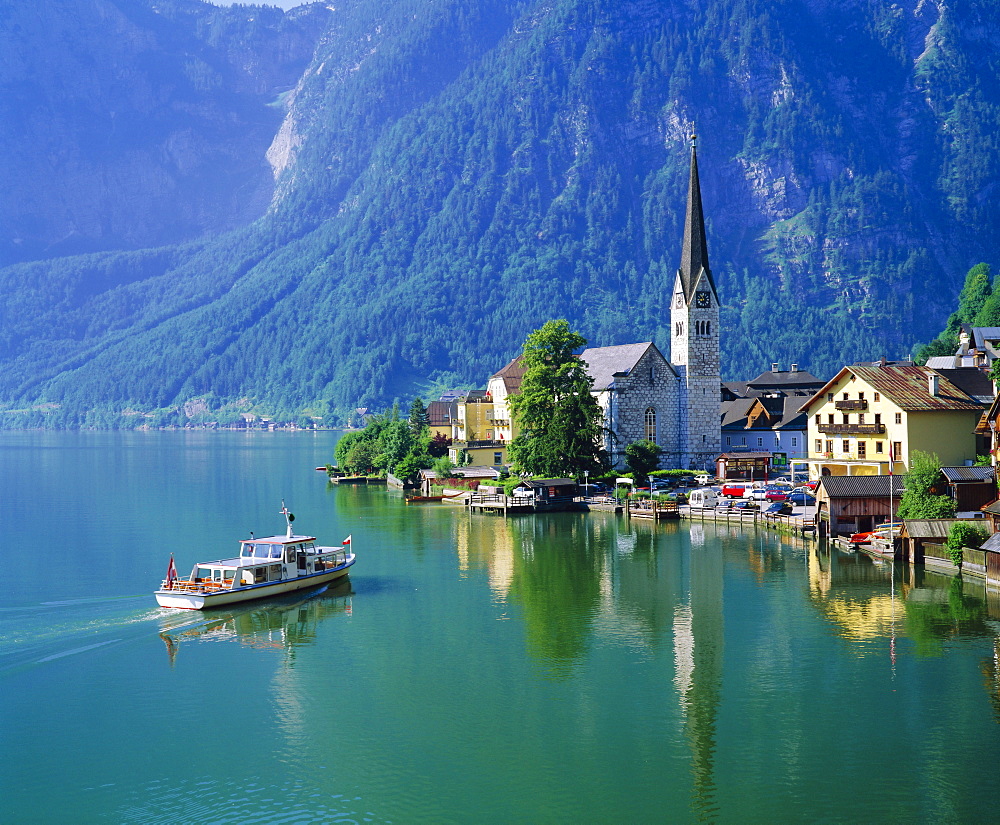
column 774, row 424
column 869, row 420
column 848, row 504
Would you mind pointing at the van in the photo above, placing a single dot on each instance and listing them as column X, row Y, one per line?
column 733, row 490
column 703, row 499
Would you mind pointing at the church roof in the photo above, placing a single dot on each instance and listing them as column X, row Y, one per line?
column 694, row 250
column 603, row 362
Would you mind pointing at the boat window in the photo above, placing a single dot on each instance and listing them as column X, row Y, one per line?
column 204, row 573
column 289, row 553
column 217, row 575
column 247, row 550
column 275, row 551
column 274, row 572
column 229, row 575
column 259, row 575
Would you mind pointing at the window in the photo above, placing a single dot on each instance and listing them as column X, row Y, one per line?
column 878, row 418
column 877, row 397
column 845, row 396
column 861, row 418
column 760, row 442
column 817, row 419
column 498, row 458
column 847, row 418
column 651, row 424
column 795, row 441
column 829, row 418
column 861, row 396
column 829, row 446
column 744, row 440
column 777, row 440
column 729, row 441
column 862, row 448
column 897, row 450
column 899, row 418
column 878, row 446
column 829, row 396
column 819, row 445
column 846, row 445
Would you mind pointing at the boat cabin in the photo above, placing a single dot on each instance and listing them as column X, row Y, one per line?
column 271, row 559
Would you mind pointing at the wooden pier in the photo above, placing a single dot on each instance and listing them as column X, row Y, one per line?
column 499, row 504
column 789, row 524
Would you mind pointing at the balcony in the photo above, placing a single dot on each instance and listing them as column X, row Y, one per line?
column 851, row 429
column 851, row 405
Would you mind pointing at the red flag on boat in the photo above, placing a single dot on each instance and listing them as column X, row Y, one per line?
column 347, row 541
column 171, row 573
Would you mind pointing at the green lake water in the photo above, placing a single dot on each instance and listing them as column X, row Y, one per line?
column 556, row 668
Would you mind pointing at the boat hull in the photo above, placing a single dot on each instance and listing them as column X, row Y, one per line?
column 187, row 600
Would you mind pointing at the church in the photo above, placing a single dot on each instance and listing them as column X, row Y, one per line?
column 675, row 403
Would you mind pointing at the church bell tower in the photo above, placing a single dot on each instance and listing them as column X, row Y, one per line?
column 694, row 339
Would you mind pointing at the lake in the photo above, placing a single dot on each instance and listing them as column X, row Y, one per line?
column 557, row 668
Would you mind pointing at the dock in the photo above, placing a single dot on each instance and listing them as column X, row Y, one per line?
column 788, row 524
column 335, row 479
column 498, row 503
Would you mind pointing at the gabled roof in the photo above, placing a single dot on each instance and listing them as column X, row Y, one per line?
column 992, row 544
column 967, row 474
column 862, row 486
column 603, row 362
column 512, row 374
column 536, row 483
column 734, row 413
column 982, row 336
column 785, row 380
column 694, row 266
column 906, row 387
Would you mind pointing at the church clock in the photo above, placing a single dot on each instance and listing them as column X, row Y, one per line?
column 702, row 299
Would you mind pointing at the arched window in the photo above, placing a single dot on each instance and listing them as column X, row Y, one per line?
column 651, row 424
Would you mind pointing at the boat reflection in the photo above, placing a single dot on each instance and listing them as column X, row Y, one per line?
column 282, row 623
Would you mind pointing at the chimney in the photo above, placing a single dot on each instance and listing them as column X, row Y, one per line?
column 933, row 380
column 774, row 368
column 794, row 368
column 963, row 343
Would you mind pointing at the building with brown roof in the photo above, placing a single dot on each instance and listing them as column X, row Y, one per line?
column 867, row 420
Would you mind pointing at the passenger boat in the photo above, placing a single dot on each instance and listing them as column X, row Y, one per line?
column 264, row 567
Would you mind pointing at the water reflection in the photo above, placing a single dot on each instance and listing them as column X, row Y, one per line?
column 282, row 623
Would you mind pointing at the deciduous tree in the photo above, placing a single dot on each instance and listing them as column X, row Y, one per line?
column 558, row 418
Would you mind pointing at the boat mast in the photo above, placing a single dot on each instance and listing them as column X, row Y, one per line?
column 289, row 518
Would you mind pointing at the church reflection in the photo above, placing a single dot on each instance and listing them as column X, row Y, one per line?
column 279, row 624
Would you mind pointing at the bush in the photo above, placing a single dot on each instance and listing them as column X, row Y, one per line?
column 961, row 535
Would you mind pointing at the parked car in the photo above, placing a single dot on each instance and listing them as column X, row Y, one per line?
column 812, row 485
column 738, row 504
column 733, row 490
column 801, row 498
column 779, row 508
column 764, row 494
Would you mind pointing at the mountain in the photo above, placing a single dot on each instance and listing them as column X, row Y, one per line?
column 446, row 176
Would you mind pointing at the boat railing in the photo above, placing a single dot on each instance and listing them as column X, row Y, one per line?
column 196, row 586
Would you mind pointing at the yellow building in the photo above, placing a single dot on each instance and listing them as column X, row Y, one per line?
column 868, row 420
column 474, row 430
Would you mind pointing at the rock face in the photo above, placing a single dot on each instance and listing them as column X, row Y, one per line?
column 124, row 126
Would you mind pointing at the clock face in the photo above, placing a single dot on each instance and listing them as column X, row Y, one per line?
column 703, row 299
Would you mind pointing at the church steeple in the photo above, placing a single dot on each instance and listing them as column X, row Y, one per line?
column 694, row 251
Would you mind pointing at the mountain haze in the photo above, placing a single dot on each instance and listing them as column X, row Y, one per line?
column 444, row 177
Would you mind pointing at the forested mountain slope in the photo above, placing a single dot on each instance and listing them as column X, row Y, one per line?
column 451, row 174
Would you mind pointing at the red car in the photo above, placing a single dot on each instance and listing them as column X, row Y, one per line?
column 775, row 495
column 733, row 490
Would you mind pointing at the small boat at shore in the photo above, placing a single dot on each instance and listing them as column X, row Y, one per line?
column 264, row 567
